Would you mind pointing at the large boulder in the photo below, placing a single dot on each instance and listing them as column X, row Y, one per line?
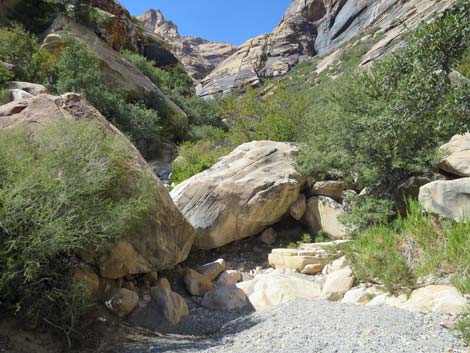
column 449, row 199
column 245, row 192
column 266, row 291
column 457, row 159
column 323, row 214
column 166, row 237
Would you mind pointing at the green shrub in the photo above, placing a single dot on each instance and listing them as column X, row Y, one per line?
column 398, row 253
column 5, row 76
column 463, row 326
column 79, row 71
column 254, row 115
column 64, row 188
column 406, row 100
column 22, row 49
column 376, row 258
column 195, row 157
column 367, row 211
column 172, row 82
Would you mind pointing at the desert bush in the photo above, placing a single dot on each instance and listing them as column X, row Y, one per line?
column 396, row 254
column 463, row 326
column 64, row 187
column 173, row 81
column 22, row 49
column 195, row 157
column 274, row 114
column 367, row 211
column 79, row 71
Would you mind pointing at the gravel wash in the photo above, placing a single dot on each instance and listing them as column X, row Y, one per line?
column 307, row 326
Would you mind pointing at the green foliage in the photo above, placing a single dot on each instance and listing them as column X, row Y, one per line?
column 376, row 258
column 64, row 187
column 176, row 84
column 463, row 326
column 367, row 211
column 464, row 65
column 172, row 82
column 275, row 115
column 22, row 49
column 396, row 254
column 79, row 71
column 196, row 157
column 407, row 101
column 5, row 76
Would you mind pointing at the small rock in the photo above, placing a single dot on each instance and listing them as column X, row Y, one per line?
column 269, row 236
column 173, row 305
column 337, row 284
column 337, row 265
column 225, row 298
column 312, row 269
column 151, row 277
column 330, row 188
column 196, row 283
column 212, row 270
column 122, row 302
column 297, row 210
column 228, row 277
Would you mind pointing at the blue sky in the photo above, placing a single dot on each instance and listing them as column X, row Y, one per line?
column 232, row 21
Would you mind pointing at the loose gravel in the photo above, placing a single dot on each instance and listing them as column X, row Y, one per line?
column 307, row 326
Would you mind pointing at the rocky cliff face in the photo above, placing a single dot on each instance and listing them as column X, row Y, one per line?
column 199, row 56
column 312, row 28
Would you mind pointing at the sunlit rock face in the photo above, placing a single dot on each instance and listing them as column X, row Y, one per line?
column 199, row 56
column 312, row 28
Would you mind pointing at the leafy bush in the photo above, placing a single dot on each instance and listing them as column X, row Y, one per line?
column 172, row 82
column 275, row 115
column 178, row 86
column 417, row 245
column 63, row 188
column 22, row 49
column 407, row 101
column 367, row 211
column 463, row 325
column 5, row 76
column 79, row 71
column 196, row 157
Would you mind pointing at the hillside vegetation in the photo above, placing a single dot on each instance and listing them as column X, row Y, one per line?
column 67, row 187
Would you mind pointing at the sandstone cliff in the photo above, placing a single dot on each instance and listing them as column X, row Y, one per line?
column 199, row 56
column 312, row 28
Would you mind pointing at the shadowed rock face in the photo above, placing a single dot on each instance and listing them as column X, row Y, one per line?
column 199, row 56
column 316, row 27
